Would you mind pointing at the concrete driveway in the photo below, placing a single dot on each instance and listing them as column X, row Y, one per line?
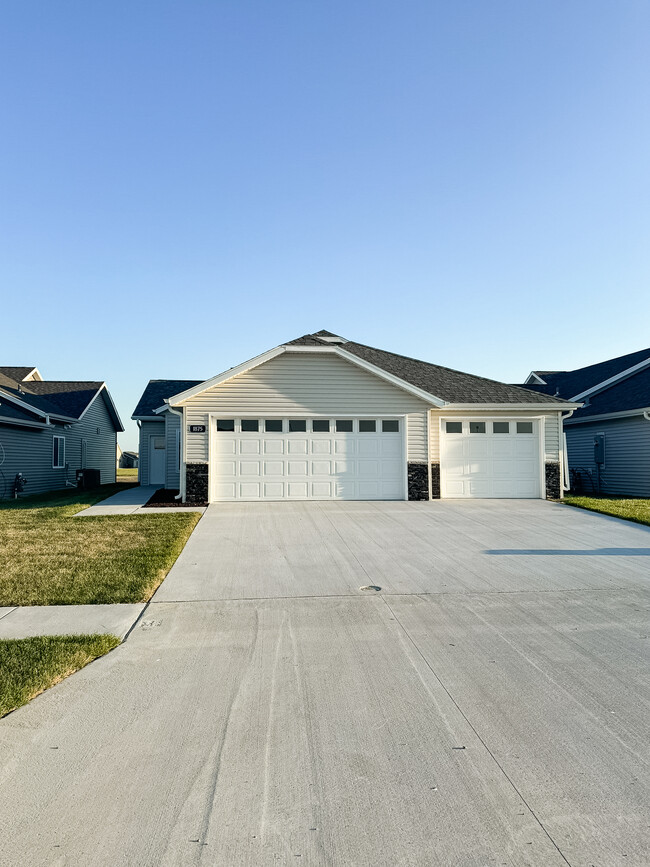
column 489, row 705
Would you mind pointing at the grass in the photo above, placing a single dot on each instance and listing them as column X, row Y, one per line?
column 127, row 474
column 637, row 510
column 47, row 557
column 31, row 665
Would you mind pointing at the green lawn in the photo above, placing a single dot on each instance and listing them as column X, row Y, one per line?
column 30, row 665
column 127, row 474
column 47, row 557
column 631, row 509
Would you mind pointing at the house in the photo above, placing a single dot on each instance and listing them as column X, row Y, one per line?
column 608, row 438
column 326, row 418
column 49, row 430
column 128, row 460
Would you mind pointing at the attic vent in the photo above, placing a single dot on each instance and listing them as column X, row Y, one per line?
column 332, row 339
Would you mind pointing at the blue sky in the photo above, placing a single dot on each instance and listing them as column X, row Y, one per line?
column 185, row 184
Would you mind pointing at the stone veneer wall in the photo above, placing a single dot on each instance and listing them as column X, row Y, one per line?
column 435, row 481
column 196, row 484
column 418, row 481
column 553, row 485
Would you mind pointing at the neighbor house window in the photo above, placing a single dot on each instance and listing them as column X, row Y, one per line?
column 225, row 424
column 58, row 453
column 367, row 425
column 344, row 425
column 500, row 427
column 390, row 425
column 524, row 427
column 320, row 425
column 273, row 425
column 477, row 427
column 454, row 427
column 250, row 425
column 297, row 425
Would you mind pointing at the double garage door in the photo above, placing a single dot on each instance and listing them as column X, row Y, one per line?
column 307, row 459
column 490, row 458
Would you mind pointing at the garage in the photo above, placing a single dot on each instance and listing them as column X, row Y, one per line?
column 485, row 458
column 336, row 458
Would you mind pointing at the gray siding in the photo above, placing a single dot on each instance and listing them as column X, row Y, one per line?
column 147, row 429
column 627, row 454
column 172, row 463
column 29, row 452
column 306, row 383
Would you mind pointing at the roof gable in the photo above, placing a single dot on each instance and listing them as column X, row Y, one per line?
column 157, row 392
column 569, row 383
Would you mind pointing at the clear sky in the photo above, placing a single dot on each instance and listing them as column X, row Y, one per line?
column 184, row 185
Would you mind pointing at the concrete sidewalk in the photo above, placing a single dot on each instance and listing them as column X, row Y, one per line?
column 131, row 501
column 24, row 621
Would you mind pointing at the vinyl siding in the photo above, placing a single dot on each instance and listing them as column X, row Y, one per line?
column 29, row 452
column 627, row 454
column 551, row 428
column 172, row 426
column 147, row 429
column 304, row 383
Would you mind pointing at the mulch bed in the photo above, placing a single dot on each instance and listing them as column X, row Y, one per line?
column 162, row 498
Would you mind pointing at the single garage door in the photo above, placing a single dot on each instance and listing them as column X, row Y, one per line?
column 490, row 458
column 307, row 459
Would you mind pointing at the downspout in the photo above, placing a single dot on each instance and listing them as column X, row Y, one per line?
column 564, row 454
column 181, row 474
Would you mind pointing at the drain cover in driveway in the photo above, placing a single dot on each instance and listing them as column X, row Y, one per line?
column 370, row 587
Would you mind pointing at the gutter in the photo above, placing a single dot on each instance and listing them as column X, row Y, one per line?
column 564, row 454
column 181, row 473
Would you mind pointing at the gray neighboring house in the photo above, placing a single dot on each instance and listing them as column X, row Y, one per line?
column 49, row 430
column 613, row 424
column 128, row 460
column 325, row 418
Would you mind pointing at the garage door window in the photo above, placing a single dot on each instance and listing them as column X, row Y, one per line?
column 321, row 425
column 273, row 425
column 367, row 425
column 250, row 425
column 390, row 425
column 344, row 425
column 297, row 425
column 225, row 424
column 477, row 427
column 524, row 427
column 501, row 427
column 454, row 427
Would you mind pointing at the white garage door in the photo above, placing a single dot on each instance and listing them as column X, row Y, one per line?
column 307, row 459
column 490, row 458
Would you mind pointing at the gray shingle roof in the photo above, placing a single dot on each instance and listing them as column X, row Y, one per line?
column 157, row 391
column 571, row 382
column 17, row 374
column 450, row 385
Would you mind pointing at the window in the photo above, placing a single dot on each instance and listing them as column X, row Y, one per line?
column 500, row 427
column 58, row 453
column 273, row 425
column 367, row 425
column 344, row 425
column 477, row 427
column 390, row 425
column 525, row 427
column 250, row 425
column 225, row 424
column 454, row 426
column 297, row 425
column 320, row 425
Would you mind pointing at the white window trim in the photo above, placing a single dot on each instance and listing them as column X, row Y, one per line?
column 61, row 464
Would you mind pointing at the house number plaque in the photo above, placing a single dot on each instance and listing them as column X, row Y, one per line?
column 197, row 428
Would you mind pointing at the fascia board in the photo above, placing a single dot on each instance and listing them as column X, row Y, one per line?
column 501, row 407
column 605, row 416
column 606, row 383
column 23, row 405
column 40, row 425
column 148, row 417
column 223, row 377
column 534, row 378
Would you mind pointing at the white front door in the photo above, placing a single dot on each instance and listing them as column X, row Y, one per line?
column 307, row 459
column 488, row 458
column 157, row 453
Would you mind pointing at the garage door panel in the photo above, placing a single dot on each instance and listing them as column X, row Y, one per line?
column 298, row 490
column 297, row 468
column 298, row 447
column 249, row 447
column 226, row 490
column 273, row 490
column 249, row 468
column 368, row 469
column 321, row 490
column 368, row 447
column 249, row 490
column 321, row 447
column 226, row 469
column 273, row 447
column 321, row 468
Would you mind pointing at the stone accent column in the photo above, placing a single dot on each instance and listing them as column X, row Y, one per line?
column 435, row 481
column 553, row 484
column 418, row 481
column 196, row 484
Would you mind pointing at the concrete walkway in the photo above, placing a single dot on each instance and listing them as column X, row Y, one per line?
column 490, row 704
column 131, row 502
column 26, row 621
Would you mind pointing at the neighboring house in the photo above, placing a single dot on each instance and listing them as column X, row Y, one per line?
column 49, row 430
column 128, row 460
column 608, row 439
column 118, row 456
column 326, row 418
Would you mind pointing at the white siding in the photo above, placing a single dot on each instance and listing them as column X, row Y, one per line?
column 304, row 383
column 551, row 428
column 627, row 454
column 147, row 429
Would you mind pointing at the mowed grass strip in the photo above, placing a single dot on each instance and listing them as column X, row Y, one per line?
column 48, row 557
column 632, row 509
column 31, row 665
